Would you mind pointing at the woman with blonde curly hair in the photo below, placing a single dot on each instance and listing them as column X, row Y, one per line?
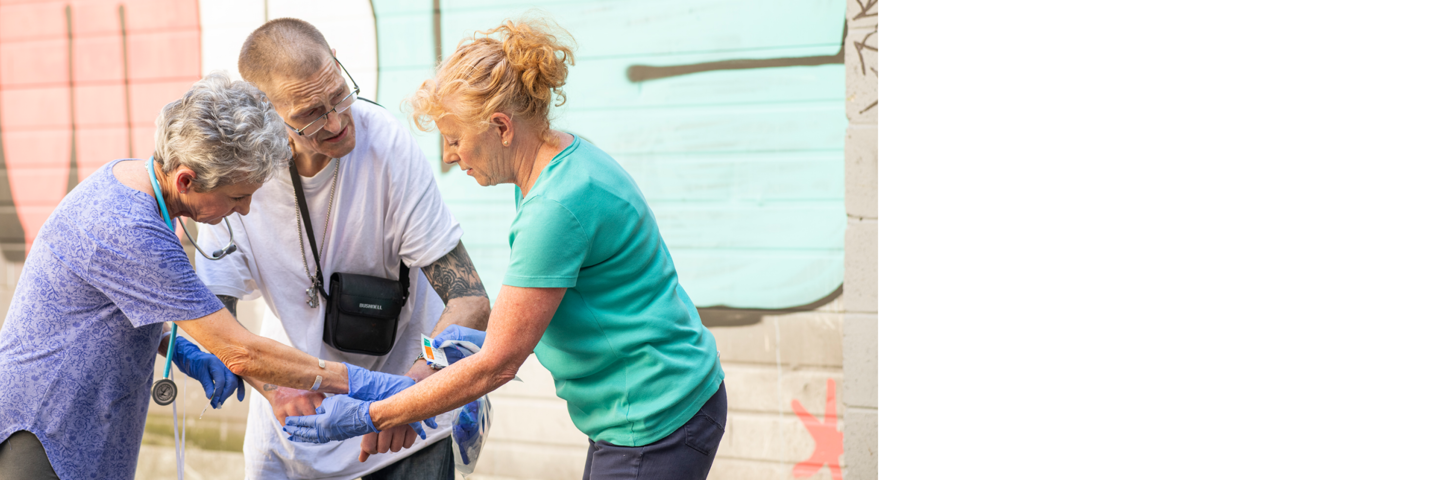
column 591, row 287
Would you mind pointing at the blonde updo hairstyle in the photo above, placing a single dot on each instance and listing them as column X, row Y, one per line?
column 517, row 72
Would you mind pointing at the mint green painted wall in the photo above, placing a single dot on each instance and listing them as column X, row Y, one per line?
column 743, row 168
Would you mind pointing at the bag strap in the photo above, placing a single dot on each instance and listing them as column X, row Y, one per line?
column 310, row 232
column 305, row 219
column 404, row 283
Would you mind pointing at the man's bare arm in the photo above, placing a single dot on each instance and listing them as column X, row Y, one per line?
column 454, row 277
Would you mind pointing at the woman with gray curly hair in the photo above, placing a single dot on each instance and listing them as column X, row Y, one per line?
column 107, row 270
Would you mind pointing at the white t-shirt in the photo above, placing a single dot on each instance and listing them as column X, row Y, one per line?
column 388, row 209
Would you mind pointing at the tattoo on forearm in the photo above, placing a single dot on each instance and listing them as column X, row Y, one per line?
column 270, row 387
column 229, row 302
column 453, row 276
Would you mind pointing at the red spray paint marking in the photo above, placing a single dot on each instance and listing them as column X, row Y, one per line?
column 163, row 40
column 829, row 441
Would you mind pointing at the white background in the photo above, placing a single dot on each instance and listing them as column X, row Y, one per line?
column 1160, row 240
column 348, row 25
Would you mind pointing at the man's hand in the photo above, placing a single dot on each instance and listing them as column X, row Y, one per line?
column 397, row 438
column 388, row 440
column 288, row 402
column 420, row 371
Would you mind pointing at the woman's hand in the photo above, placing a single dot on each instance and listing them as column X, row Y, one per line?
column 338, row 418
column 459, row 333
column 217, row 380
column 290, row 402
column 368, row 385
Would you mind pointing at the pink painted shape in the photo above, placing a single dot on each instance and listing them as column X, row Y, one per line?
column 26, row 20
column 829, row 441
column 100, row 106
column 98, row 61
column 35, row 62
column 148, row 15
column 35, row 110
column 95, row 18
column 36, row 191
column 156, row 55
column 164, row 59
column 144, row 138
column 98, row 146
column 148, row 98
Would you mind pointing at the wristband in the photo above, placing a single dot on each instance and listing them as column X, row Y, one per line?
column 316, row 386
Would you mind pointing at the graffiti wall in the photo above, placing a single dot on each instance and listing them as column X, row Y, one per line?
column 740, row 157
column 739, row 152
column 730, row 115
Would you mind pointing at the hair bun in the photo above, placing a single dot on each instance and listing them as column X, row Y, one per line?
column 538, row 56
column 519, row 72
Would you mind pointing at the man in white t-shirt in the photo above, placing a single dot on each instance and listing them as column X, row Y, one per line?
column 359, row 166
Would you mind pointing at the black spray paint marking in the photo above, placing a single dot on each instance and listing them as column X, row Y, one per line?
column 641, row 73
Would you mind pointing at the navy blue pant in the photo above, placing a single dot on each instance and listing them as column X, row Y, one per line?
column 435, row 462
column 685, row 454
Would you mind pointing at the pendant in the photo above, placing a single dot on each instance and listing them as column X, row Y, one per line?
column 314, row 300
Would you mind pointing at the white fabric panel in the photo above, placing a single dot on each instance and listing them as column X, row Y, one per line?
column 349, row 26
column 224, row 24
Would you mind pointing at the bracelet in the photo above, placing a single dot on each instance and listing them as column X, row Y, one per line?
column 318, row 378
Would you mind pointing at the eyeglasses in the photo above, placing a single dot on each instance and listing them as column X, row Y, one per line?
column 315, row 125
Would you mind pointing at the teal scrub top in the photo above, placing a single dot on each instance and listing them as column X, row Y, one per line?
column 626, row 346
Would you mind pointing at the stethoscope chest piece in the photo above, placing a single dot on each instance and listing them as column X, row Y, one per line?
column 164, row 391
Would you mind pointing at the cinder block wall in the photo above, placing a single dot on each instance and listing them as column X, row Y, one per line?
column 862, row 240
column 769, row 366
column 8, row 278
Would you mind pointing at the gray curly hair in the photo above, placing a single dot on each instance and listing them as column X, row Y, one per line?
column 224, row 130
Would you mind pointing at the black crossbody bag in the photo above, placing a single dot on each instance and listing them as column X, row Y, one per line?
column 362, row 312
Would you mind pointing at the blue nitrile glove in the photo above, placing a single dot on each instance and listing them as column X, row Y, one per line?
column 219, row 383
column 466, row 429
column 457, row 333
column 375, row 386
column 337, row 418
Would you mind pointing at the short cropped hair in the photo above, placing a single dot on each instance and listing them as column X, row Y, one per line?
column 282, row 48
column 226, row 131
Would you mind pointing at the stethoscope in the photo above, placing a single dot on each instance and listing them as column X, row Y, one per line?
column 164, row 390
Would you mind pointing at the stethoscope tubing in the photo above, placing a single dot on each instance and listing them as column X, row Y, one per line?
column 166, row 398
